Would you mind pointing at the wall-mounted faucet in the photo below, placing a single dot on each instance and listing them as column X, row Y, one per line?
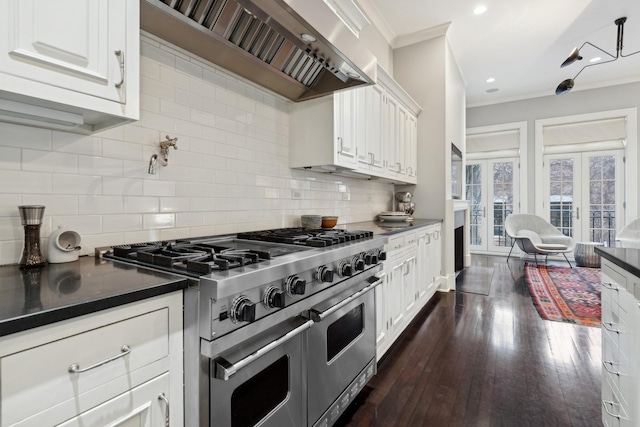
column 164, row 148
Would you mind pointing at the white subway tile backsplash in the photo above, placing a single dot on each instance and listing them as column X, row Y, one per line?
column 151, row 221
column 189, row 219
column 10, row 158
column 49, row 161
column 141, row 204
column 125, row 222
column 24, row 137
column 158, row 188
column 174, row 204
column 54, row 204
column 95, row 205
column 82, row 224
column 122, row 186
column 230, row 172
column 25, row 182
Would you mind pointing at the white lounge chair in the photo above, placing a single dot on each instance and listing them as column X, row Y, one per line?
column 535, row 235
column 629, row 236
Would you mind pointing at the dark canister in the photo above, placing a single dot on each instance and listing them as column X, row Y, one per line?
column 31, row 217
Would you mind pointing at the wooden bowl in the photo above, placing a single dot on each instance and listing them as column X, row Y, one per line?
column 329, row 221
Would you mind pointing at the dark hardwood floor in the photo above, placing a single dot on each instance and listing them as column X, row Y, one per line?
column 470, row 359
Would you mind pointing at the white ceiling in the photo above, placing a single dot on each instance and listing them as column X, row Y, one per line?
column 521, row 43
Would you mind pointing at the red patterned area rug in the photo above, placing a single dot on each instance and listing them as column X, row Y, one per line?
column 566, row 294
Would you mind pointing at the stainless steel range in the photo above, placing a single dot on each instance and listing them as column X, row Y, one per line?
column 279, row 324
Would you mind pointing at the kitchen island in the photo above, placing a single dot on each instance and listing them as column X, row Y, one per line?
column 620, row 302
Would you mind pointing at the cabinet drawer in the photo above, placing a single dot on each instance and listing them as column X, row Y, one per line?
column 395, row 243
column 140, row 407
column 39, row 378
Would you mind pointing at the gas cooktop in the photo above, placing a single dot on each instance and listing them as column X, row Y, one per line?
column 205, row 255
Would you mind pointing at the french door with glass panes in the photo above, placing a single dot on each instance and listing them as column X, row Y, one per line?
column 584, row 194
column 493, row 190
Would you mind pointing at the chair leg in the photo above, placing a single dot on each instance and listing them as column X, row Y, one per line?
column 565, row 257
column 535, row 256
column 512, row 245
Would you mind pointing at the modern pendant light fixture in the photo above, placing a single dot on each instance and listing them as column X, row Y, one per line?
column 574, row 56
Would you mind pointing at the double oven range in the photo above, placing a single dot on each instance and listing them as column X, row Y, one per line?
column 279, row 324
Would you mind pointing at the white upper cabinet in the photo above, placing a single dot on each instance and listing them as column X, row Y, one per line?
column 69, row 64
column 362, row 132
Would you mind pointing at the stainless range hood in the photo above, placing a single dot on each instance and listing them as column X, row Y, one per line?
column 262, row 42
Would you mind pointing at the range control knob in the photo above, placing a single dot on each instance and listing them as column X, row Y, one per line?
column 243, row 310
column 295, row 285
column 344, row 269
column 273, row 298
column 358, row 263
column 382, row 254
column 371, row 258
column 323, row 274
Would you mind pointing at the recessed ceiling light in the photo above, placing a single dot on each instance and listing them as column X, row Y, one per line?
column 595, row 59
column 491, row 80
column 307, row 37
column 492, row 90
column 479, row 10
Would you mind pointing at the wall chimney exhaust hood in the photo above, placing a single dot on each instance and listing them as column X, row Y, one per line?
column 299, row 49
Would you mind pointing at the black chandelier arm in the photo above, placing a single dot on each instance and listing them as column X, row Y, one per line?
column 597, row 63
column 601, row 50
column 625, row 56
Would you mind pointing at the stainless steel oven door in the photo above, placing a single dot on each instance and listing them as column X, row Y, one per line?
column 342, row 343
column 262, row 381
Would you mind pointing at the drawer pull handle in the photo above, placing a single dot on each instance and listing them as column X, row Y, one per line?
column 609, row 328
column 120, row 55
column 610, row 286
column 604, row 364
column 604, row 403
column 163, row 397
column 75, row 368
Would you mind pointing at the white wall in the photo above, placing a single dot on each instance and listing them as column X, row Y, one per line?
column 572, row 103
column 230, row 172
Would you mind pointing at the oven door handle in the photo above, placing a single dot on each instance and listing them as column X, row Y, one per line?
column 225, row 369
column 318, row 316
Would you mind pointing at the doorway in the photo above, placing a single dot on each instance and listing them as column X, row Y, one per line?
column 584, row 194
column 493, row 190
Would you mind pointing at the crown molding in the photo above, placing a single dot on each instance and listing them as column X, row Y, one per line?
column 377, row 18
column 420, row 36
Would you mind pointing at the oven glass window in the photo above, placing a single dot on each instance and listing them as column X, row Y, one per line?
column 344, row 330
column 259, row 395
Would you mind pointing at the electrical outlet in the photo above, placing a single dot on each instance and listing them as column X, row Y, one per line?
column 296, row 194
column 346, row 196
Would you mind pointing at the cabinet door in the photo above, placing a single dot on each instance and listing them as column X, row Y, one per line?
column 403, row 133
column 423, row 273
column 70, row 44
column 396, row 312
column 143, row 406
column 409, row 286
column 374, row 116
column 412, row 146
column 390, row 133
column 345, row 128
column 382, row 319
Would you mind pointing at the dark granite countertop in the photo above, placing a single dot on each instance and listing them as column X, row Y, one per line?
column 389, row 228
column 626, row 258
column 39, row 296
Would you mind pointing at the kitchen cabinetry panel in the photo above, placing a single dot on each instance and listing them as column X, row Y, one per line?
column 620, row 344
column 37, row 384
column 358, row 132
column 143, row 406
column 410, row 282
column 81, row 79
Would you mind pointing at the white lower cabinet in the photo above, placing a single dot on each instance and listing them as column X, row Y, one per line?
column 147, row 405
column 117, row 367
column 409, row 283
column 620, row 345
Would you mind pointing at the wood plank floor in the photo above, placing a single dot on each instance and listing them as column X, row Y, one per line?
column 485, row 360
